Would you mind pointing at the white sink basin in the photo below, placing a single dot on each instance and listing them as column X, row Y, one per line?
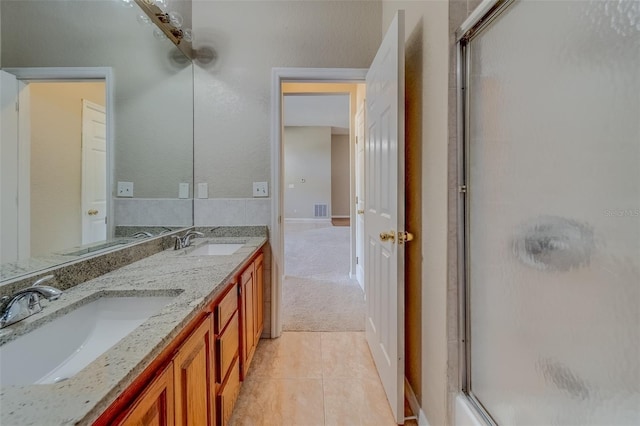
column 215, row 249
column 61, row 348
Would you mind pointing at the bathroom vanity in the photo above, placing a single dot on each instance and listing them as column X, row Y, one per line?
column 182, row 365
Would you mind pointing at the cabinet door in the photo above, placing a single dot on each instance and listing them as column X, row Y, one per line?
column 155, row 406
column 228, row 395
column 227, row 348
column 258, row 319
column 246, row 320
column 192, row 365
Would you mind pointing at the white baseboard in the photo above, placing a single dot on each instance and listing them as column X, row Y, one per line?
column 414, row 404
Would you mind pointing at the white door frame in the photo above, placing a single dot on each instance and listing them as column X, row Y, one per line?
column 78, row 74
column 16, row 169
column 278, row 76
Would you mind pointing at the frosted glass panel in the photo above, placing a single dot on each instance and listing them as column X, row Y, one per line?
column 554, row 214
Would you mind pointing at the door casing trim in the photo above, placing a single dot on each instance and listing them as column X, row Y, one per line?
column 276, row 236
column 78, row 74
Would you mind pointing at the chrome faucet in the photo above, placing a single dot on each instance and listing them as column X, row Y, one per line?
column 26, row 302
column 185, row 240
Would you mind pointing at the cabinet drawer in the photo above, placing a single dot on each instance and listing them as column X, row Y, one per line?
column 227, row 346
column 225, row 309
column 228, row 394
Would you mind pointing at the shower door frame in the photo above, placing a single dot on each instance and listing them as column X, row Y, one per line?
column 479, row 20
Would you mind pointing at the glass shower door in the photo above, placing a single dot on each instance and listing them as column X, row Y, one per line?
column 553, row 213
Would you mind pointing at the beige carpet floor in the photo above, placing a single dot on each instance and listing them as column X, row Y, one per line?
column 317, row 293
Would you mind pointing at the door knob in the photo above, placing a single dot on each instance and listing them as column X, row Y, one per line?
column 92, row 212
column 360, row 211
column 404, row 237
column 388, row 236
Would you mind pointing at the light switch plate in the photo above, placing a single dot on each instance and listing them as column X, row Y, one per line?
column 125, row 189
column 260, row 189
column 183, row 190
column 203, row 190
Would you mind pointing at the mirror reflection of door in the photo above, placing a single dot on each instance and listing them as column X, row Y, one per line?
column 94, row 172
column 53, row 116
column 56, row 113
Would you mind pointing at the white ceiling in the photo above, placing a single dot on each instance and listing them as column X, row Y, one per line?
column 317, row 110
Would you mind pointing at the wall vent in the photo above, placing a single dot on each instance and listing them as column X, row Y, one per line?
column 320, row 210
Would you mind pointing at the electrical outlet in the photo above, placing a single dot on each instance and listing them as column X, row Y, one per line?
column 203, row 190
column 260, row 189
column 125, row 189
column 183, row 190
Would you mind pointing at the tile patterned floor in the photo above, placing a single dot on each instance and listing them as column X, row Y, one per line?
column 307, row 379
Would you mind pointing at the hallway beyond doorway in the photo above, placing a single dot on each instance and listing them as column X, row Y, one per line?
column 318, row 294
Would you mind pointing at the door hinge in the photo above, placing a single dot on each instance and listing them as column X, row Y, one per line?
column 357, row 260
column 17, row 106
column 356, row 199
column 462, row 189
column 239, row 289
column 356, row 139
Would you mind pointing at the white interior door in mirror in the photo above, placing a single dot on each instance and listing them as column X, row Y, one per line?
column 94, row 165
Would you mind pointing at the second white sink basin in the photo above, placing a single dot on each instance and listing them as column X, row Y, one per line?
column 61, row 348
column 215, row 249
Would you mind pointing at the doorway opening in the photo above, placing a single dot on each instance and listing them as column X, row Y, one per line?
column 320, row 292
column 284, row 80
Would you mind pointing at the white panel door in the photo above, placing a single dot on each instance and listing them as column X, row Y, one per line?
column 360, row 183
column 94, row 165
column 384, row 213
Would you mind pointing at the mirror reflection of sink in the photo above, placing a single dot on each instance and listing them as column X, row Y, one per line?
column 59, row 349
column 215, row 249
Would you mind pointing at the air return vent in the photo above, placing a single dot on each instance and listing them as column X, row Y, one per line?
column 320, row 210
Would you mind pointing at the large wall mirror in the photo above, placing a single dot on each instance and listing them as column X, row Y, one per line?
column 100, row 147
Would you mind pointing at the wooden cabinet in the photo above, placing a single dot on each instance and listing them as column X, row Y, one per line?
column 227, row 354
column 258, row 302
column 155, row 406
column 192, row 372
column 246, row 319
column 251, row 312
column 195, row 381
column 182, row 394
column 229, row 394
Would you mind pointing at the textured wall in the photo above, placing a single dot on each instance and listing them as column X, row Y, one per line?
column 233, row 91
column 426, row 92
column 340, row 168
column 307, row 170
column 56, row 163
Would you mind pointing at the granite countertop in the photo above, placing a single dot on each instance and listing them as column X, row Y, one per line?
column 195, row 280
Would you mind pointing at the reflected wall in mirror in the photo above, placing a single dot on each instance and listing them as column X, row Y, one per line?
column 147, row 135
column 67, row 165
